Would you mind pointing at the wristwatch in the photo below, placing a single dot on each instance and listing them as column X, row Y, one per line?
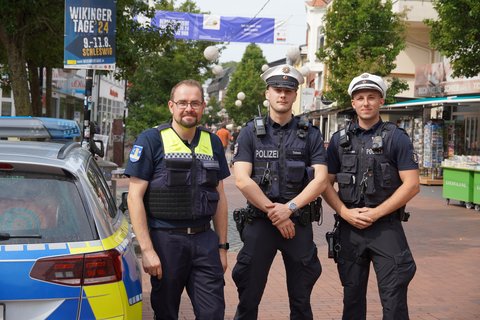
column 224, row 246
column 292, row 206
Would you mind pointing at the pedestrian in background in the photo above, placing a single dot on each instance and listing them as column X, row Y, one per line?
column 233, row 142
column 176, row 189
column 376, row 169
column 280, row 168
column 224, row 136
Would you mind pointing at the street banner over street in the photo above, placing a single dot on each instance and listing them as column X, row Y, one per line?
column 218, row 28
column 89, row 41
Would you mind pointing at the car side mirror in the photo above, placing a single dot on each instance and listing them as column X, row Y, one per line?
column 124, row 205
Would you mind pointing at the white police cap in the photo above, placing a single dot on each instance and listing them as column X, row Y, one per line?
column 283, row 76
column 368, row 81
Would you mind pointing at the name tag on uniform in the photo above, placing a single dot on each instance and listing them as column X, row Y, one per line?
column 266, row 154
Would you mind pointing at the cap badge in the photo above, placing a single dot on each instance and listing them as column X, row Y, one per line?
column 286, row 70
column 365, row 75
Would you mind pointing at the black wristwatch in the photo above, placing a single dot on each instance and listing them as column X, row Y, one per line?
column 224, row 246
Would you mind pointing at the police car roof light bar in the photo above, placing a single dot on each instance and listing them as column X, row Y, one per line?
column 38, row 128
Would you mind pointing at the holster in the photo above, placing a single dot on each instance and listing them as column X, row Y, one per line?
column 333, row 240
column 311, row 212
column 242, row 216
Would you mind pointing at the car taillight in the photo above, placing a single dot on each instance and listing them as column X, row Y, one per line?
column 81, row 269
column 5, row 166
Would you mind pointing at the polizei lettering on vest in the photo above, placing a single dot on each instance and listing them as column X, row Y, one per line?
column 266, row 154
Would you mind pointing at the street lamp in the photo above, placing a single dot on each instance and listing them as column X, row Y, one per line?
column 217, row 69
column 293, row 54
column 211, row 53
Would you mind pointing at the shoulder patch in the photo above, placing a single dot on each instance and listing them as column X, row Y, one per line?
column 136, row 153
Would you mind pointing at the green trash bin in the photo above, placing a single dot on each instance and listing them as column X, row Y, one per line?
column 458, row 185
column 476, row 189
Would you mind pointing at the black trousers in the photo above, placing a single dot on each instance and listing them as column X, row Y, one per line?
column 191, row 262
column 262, row 240
column 384, row 243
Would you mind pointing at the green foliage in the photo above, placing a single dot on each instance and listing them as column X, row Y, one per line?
column 246, row 78
column 158, row 71
column 457, row 34
column 361, row 36
column 211, row 117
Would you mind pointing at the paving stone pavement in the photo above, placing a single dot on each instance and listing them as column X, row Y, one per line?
column 445, row 241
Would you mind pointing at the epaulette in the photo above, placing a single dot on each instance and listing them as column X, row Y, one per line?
column 164, row 126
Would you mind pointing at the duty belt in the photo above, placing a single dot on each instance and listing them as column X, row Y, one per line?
column 187, row 230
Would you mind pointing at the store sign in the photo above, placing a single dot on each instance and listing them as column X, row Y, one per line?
column 89, row 41
column 218, row 28
column 436, row 80
column 111, row 91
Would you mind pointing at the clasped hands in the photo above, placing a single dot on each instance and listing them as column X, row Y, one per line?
column 280, row 214
column 360, row 218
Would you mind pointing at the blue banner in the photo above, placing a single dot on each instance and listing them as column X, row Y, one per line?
column 217, row 28
column 89, row 34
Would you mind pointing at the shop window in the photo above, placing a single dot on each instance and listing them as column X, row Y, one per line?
column 6, row 109
column 6, row 93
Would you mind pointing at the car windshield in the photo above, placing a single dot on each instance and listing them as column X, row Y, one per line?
column 41, row 208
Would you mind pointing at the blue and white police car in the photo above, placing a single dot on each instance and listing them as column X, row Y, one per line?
column 66, row 250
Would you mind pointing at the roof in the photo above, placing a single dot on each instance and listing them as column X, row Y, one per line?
column 318, row 3
column 52, row 154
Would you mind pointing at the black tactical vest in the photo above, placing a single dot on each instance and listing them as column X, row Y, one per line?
column 281, row 164
column 185, row 187
column 367, row 175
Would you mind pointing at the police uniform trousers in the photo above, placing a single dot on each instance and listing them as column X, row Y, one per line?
column 190, row 261
column 261, row 242
column 383, row 243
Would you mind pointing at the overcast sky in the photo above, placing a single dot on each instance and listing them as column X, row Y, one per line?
column 293, row 10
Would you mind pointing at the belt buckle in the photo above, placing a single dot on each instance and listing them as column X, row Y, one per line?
column 190, row 231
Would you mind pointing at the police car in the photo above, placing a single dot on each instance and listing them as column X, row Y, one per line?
column 66, row 251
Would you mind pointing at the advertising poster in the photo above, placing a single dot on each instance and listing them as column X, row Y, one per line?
column 218, row 28
column 89, row 34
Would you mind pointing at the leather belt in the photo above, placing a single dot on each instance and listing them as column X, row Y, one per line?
column 188, row 230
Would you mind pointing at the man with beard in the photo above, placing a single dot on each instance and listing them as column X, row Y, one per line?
column 176, row 189
column 280, row 168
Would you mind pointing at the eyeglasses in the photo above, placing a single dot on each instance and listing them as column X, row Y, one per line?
column 183, row 104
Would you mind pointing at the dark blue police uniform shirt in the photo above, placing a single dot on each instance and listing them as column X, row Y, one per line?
column 401, row 154
column 148, row 163
column 245, row 147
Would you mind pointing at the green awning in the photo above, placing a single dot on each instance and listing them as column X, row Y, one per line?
column 434, row 102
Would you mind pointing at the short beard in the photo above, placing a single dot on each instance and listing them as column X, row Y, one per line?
column 185, row 124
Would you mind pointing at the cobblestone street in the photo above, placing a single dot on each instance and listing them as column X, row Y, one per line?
column 445, row 241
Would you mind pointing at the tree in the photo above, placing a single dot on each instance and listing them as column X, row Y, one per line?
column 157, row 72
column 31, row 37
column 361, row 36
column 210, row 116
column 246, row 78
column 456, row 34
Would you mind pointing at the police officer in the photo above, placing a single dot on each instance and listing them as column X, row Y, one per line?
column 280, row 167
column 176, row 189
column 376, row 169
